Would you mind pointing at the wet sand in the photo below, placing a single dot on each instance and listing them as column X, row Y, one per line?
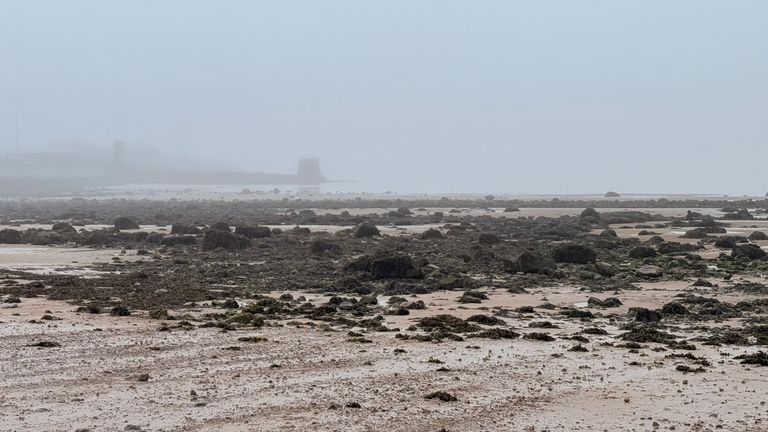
column 294, row 379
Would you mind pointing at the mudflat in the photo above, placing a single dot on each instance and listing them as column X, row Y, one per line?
column 389, row 315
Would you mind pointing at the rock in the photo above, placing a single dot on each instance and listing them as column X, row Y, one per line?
column 63, row 228
column 657, row 240
column 674, row 247
column 590, row 215
column 120, row 311
column 43, row 238
column 574, row 254
column 610, row 302
column 697, row 233
column 45, row 344
column 641, row 252
column 750, row 251
column 214, row 239
column 703, row 283
column 472, row 297
column 125, row 223
column 755, row 236
column 641, row 314
column 608, row 233
column 403, row 211
column 674, row 308
column 174, row 240
column 742, row 214
column 604, row 269
column 322, row 246
column 386, row 266
column 649, row 271
column 253, row 232
column 529, row 262
column 729, row 242
column 431, row 234
column 10, row 236
column 230, row 304
column 144, row 377
column 219, row 226
column 488, row 239
column 182, row 229
column 442, row 396
column 366, row 230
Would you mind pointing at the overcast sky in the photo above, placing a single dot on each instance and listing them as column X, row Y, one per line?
column 539, row 96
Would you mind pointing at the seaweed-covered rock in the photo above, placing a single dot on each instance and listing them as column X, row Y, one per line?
column 447, row 323
column 750, row 251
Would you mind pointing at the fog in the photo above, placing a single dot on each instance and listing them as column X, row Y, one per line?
column 412, row 96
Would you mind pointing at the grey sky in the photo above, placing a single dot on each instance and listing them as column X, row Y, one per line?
column 410, row 95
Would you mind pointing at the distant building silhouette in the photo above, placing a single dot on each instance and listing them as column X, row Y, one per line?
column 309, row 173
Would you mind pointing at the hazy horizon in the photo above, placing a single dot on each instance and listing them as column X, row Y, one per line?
column 536, row 97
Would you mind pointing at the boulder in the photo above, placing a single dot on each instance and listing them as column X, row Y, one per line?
column 529, row 262
column 10, row 236
column 641, row 314
column 758, row 236
column 649, row 271
column 641, row 252
column 366, row 230
column 574, row 254
column 253, row 232
column 750, row 251
column 125, row 223
column 488, row 239
column 610, row 302
column 184, row 229
column 431, row 233
column 219, row 226
column 215, row 239
column 63, row 228
column 674, row 308
column 741, row 214
column 322, row 246
column 386, row 266
column 174, row 240
column 590, row 215
column 729, row 242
